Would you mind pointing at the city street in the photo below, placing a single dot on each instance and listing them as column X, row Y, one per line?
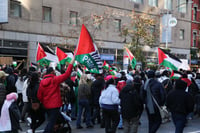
column 192, row 127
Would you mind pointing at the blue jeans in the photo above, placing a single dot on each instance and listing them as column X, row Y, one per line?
column 52, row 115
column 179, row 121
column 83, row 104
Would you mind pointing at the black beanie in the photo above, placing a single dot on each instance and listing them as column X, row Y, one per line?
column 150, row 74
column 49, row 70
column 180, row 84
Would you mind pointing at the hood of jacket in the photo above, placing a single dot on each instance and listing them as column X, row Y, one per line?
column 47, row 80
column 127, row 88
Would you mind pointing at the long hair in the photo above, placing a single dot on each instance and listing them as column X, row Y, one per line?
column 83, row 79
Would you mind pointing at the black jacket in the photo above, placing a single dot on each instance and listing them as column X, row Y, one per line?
column 96, row 88
column 158, row 92
column 131, row 103
column 14, row 116
column 179, row 101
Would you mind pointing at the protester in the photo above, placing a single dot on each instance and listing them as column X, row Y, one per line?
column 131, row 107
column 84, row 94
column 26, row 106
column 153, row 89
column 49, row 94
column 109, row 102
column 3, row 76
column 165, row 80
column 71, row 95
column 10, row 80
column 19, row 85
column 180, row 103
column 36, row 111
column 96, row 88
column 10, row 114
column 120, row 84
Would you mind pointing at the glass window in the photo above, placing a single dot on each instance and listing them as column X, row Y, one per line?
column 15, row 8
column 153, row 3
column 73, row 18
column 137, row 1
column 182, row 6
column 47, row 14
column 195, row 13
column 194, row 39
column 117, row 24
column 168, row 4
column 181, row 34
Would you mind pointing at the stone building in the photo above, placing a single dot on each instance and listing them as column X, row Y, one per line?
column 58, row 22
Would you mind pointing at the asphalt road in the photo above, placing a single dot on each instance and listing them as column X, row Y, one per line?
column 193, row 126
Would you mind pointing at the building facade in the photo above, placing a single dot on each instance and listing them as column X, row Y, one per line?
column 195, row 34
column 59, row 22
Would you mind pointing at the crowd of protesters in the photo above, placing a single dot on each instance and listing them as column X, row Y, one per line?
column 113, row 101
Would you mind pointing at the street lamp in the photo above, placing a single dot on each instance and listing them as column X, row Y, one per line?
column 167, row 25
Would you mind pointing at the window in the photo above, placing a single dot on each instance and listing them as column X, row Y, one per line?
column 137, row 1
column 168, row 4
column 117, row 24
column 73, row 18
column 182, row 6
column 194, row 38
column 15, row 8
column 181, row 34
column 153, row 3
column 47, row 14
column 195, row 13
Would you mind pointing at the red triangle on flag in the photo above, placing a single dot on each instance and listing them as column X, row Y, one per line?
column 61, row 55
column 85, row 44
column 104, row 63
column 161, row 56
column 40, row 53
column 130, row 55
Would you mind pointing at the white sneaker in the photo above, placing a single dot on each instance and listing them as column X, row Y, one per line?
column 29, row 120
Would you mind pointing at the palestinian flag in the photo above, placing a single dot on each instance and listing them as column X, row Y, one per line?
column 168, row 60
column 87, row 53
column 45, row 55
column 106, row 65
column 64, row 55
column 131, row 57
column 34, row 65
column 79, row 71
column 175, row 74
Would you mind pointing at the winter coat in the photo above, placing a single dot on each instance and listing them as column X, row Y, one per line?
column 15, row 116
column 71, row 93
column 109, row 98
column 32, row 92
column 2, row 95
column 19, row 84
column 179, row 101
column 10, row 117
column 198, row 83
column 131, row 103
column 49, row 89
column 96, row 88
column 84, row 92
column 158, row 92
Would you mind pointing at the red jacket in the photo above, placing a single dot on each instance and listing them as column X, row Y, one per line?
column 49, row 89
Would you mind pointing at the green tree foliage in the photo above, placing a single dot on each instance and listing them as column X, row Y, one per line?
column 140, row 32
